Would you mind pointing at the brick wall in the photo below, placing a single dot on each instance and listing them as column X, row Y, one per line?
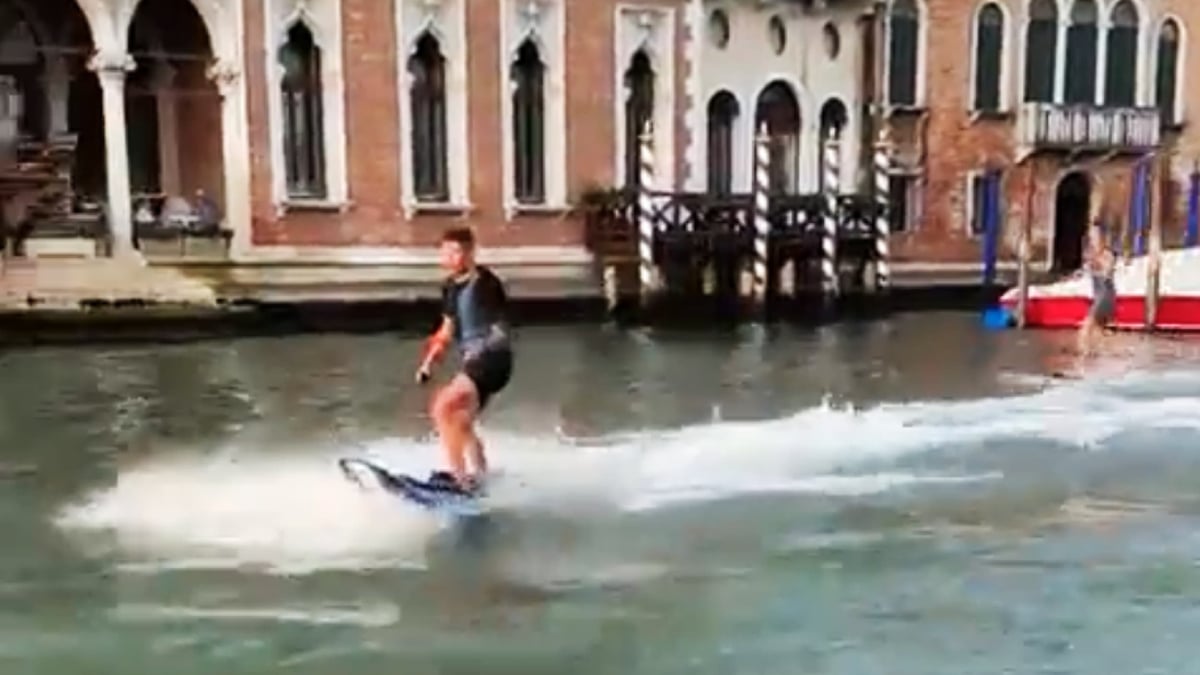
column 375, row 216
column 955, row 144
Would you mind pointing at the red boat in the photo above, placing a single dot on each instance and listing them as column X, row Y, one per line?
column 1064, row 303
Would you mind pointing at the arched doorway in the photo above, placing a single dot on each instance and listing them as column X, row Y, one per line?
column 1072, row 201
column 44, row 49
column 778, row 108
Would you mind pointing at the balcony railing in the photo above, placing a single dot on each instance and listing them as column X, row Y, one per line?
column 1049, row 126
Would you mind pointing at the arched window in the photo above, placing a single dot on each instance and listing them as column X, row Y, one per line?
column 639, row 109
column 833, row 123
column 989, row 54
column 903, row 52
column 1166, row 79
column 780, row 111
column 303, row 117
column 1120, row 73
column 722, row 113
column 1041, row 51
column 1081, row 53
column 528, row 76
column 427, row 67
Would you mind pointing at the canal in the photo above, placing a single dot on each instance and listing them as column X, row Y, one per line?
column 912, row 496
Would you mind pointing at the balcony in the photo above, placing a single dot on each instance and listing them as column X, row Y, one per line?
column 1052, row 126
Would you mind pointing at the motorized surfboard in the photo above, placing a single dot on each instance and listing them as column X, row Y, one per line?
column 439, row 493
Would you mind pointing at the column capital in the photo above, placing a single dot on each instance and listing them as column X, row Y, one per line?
column 111, row 65
column 225, row 75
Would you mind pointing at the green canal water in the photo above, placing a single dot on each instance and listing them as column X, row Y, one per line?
column 911, row 496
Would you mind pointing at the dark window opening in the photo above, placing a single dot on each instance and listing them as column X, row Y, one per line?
column 639, row 110
column 303, row 115
column 989, row 49
column 1041, row 51
column 903, row 53
column 1081, row 53
column 901, row 201
column 722, row 113
column 1166, row 77
column 427, row 67
column 1120, row 76
column 529, row 138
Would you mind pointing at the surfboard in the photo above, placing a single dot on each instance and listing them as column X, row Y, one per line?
column 439, row 493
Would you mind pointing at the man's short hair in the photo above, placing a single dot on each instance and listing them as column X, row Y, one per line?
column 463, row 236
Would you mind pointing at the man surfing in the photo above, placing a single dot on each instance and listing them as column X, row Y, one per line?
column 475, row 317
column 1100, row 263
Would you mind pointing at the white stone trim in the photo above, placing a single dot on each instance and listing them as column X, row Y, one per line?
column 696, row 122
column 447, row 21
column 652, row 28
column 547, row 28
column 969, row 177
column 323, row 18
column 216, row 15
column 1006, row 41
column 1143, row 88
column 920, row 97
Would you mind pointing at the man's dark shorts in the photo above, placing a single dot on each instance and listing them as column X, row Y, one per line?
column 1103, row 309
column 490, row 371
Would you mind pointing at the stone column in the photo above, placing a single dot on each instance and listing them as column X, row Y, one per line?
column 111, row 69
column 168, row 129
column 235, row 154
column 57, row 84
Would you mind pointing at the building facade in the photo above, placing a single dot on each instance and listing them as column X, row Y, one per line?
column 345, row 130
column 1062, row 97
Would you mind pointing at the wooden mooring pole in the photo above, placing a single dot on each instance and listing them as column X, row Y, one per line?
column 647, row 274
column 1155, row 172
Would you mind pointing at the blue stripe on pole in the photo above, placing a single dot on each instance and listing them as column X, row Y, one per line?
column 991, row 209
column 1139, row 207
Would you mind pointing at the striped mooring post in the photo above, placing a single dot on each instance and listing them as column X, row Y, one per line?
column 762, row 221
column 646, row 272
column 883, row 231
column 830, row 187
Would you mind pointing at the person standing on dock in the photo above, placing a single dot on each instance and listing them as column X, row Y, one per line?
column 475, row 316
column 1100, row 264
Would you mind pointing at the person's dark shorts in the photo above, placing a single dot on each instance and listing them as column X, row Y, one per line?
column 1103, row 308
column 490, row 371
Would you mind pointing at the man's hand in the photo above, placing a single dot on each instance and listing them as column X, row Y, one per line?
column 423, row 374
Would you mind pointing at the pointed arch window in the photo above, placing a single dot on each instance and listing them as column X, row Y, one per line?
column 639, row 109
column 989, row 53
column 1167, row 76
column 303, row 114
column 1082, row 38
column 529, row 165
column 1041, row 51
column 427, row 68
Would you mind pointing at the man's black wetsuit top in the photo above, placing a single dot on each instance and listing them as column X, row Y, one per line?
column 478, row 306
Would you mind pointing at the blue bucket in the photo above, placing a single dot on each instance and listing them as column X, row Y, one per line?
column 997, row 318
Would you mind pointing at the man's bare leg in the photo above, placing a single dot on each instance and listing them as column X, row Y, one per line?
column 454, row 413
column 475, row 447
